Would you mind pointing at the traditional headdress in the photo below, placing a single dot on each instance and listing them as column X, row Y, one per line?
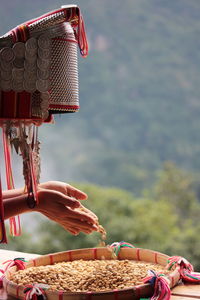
column 38, row 77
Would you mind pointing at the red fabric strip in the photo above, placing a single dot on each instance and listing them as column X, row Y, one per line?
column 15, row 226
column 51, row 259
column 172, row 279
column 34, row 262
column 70, row 255
column 60, row 295
column 89, row 296
column 9, row 104
column 24, row 105
column 156, row 257
column 20, row 34
column 13, row 36
column 116, row 294
column 137, row 291
column 95, row 253
column 3, row 238
column 17, row 291
column 138, row 254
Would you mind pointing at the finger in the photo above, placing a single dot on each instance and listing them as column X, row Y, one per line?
column 83, row 216
column 74, row 192
column 89, row 212
column 81, row 224
column 73, row 230
column 63, row 199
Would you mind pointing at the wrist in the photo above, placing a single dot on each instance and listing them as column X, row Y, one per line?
column 30, row 200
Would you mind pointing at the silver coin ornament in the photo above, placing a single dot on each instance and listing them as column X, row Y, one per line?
column 44, row 53
column 30, row 75
column 17, row 86
column 7, row 54
column 19, row 49
column 6, row 85
column 30, row 57
column 18, row 62
column 42, row 85
column 44, row 41
column 26, row 66
column 31, row 45
column 45, row 96
column 30, row 66
column 6, row 75
column 43, row 73
column 43, row 63
column 6, row 66
column 18, row 74
column 30, row 86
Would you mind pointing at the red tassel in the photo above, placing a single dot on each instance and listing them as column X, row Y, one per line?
column 1, row 278
column 18, row 262
column 161, row 286
column 3, row 238
column 15, row 226
column 185, row 268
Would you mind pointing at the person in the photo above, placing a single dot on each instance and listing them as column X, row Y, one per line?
column 58, row 201
column 38, row 60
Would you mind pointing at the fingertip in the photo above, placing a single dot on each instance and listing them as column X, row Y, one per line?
column 81, row 196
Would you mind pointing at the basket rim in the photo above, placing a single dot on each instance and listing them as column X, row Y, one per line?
column 173, row 277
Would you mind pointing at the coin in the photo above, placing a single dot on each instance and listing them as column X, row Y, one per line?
column 31, row 56
column 18, row 62
column 45, row 102
column 29, row 86
column 19, row 49
column 43, row 74
column 7, row 54
column 30, row 75
column 43, row 63
column 5, row 85
column 17, row 86
column 6, row 75
column 42, row 85
column 18, row 74
column 44, row 42
column 44, row 53
column 30, row 65
column 45, row 96
column 31, row 45
column 6, row 66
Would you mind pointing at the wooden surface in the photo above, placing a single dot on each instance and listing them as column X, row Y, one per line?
column 184, row 292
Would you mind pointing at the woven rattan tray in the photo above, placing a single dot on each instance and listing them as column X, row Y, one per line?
column 135, row 292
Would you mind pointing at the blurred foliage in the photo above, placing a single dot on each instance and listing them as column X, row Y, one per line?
column 139, row 92
column 166, row 219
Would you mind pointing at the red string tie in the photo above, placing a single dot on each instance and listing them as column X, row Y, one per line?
column 160, row 284
column 1, row 278
column 18, row 262
column 186, row 269
column 35, row 291
column 118, row 245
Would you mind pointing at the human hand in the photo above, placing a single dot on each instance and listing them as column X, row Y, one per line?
column 59, row 202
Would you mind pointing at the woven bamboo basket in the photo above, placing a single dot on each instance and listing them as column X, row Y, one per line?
column 135, row 292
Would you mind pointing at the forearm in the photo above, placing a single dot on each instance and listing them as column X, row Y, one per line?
column 12, row 193
column 15, row 206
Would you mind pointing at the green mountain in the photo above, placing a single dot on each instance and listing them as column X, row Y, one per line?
column 139, row 92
